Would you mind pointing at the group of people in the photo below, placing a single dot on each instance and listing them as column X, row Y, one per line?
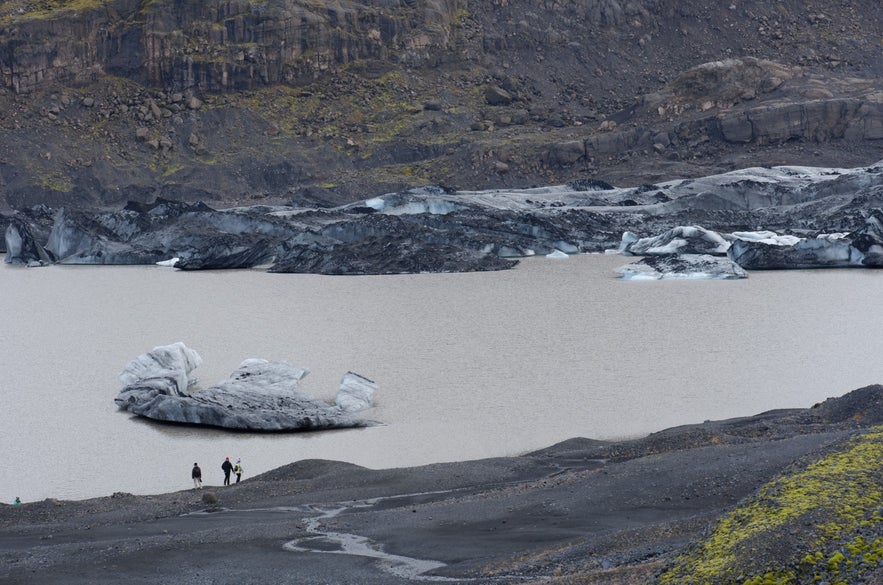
column 227, row 467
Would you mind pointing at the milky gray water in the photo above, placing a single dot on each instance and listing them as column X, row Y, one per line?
column 468, row 365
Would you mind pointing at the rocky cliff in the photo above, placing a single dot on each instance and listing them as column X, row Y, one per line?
column 216, row 46
column 323, row 103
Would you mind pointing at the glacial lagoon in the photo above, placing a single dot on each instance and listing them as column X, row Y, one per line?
column 467, row 365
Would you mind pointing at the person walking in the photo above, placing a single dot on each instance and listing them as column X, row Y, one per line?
column 196, row 474
column 237, row 469
column 17, row 501
column 227, row 467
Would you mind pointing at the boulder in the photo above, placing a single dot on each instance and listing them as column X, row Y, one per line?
column 497, row 96
column 730, row 80
column 260, row 395
column 563, row 154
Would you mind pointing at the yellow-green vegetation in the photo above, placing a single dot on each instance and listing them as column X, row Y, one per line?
column 460, row 16
column 54, row 180
column 410, row 174
column 369, row 110
column 822, row 523
column 46, row 8
column 166, row 164
column 427, row 171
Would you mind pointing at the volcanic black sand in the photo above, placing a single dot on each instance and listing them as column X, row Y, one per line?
column 581, row 511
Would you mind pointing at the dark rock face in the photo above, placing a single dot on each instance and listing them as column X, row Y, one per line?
column 260, row 395
column 220, row 46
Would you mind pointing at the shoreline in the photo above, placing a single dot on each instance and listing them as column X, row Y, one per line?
column 575, row 388
column 620, row 510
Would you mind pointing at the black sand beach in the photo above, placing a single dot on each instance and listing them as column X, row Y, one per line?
column 582, row 511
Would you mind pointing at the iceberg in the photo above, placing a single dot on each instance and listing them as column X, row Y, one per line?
column 260, row 395
column 682, row 266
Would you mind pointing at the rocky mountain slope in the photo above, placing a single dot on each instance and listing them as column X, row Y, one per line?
column 106, row 101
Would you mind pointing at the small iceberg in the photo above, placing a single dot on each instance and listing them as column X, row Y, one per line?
column 682, row 266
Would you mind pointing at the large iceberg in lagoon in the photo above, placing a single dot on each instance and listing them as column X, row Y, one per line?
column 260, row 395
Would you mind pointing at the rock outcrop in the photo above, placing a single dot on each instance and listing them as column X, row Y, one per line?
column 260, row 395
column 745, row 101
column 216, row 46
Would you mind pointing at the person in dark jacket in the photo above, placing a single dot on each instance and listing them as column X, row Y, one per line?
column 196, row 474
column 227, row 467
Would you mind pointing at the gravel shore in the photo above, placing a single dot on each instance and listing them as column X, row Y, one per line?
column 581, row 511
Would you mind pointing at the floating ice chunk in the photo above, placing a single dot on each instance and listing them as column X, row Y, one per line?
column 356, row 393
column 557, row 254
column 566, row 247
column 170, row 262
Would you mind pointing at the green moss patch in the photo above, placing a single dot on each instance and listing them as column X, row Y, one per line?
column 823, row 523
